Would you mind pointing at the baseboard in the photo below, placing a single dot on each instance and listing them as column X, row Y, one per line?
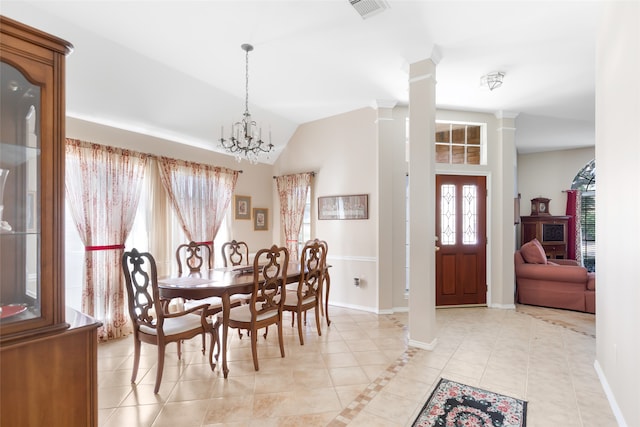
column 503, row 306
column 354, row 307
column 425, row 346
column 610, row 397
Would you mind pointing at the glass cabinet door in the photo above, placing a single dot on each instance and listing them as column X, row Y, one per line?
column 20, row 177
column 32, row 116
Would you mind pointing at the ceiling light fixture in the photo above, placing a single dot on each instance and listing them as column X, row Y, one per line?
column 368, row 8
column 246, row 137
column 492, row 80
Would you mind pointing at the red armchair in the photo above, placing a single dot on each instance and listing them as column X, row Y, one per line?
column 554, row 283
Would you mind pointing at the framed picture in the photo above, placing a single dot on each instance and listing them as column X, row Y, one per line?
column 344, row 207
column 242, row 207
column 260, row 219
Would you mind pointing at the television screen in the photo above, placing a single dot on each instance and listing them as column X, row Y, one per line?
column 553, row 232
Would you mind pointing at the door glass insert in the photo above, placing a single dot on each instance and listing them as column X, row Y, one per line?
column 469, row 214
column 448, row 214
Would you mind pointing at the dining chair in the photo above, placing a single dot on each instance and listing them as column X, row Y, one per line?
column 192, row 255
column 235, row 253
column 308, row 293
column 152, row 322
column 325, row 276
column 267, row 298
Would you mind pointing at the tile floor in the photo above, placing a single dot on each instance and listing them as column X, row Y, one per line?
column 360, row 372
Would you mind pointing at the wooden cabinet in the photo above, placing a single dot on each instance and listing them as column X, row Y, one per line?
column 48, row 354
column 551, row 231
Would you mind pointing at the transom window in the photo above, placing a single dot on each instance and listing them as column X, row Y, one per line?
column 460, row 143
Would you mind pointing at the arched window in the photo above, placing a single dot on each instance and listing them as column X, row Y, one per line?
column 585, row 181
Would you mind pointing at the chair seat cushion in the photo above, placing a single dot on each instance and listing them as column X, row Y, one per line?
column 176, row 325
column 243, row 314
column 214, row 302
column 292, row 299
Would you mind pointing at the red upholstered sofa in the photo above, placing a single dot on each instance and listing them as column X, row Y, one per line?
column 552, row 283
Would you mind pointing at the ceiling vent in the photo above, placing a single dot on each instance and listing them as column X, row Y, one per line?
column 368, row 8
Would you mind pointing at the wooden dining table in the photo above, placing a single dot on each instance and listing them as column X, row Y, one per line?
column 224, row 282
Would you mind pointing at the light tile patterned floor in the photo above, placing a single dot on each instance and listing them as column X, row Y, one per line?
column 360, row 372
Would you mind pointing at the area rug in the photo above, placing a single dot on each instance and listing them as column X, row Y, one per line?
column 458, row 405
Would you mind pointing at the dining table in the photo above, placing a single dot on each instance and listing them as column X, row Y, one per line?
column 223, row 283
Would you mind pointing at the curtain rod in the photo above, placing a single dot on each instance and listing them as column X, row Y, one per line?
column 312, row 174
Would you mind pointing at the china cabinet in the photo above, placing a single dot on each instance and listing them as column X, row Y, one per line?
column 48, row 352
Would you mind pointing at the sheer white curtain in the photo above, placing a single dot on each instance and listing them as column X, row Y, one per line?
column 103, row 187
column 292, row 190
column 199, row 194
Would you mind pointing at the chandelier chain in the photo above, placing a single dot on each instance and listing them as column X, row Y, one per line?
column 246, row 82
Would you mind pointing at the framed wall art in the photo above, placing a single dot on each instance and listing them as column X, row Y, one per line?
column 242, row 207
column 260, row 219
column 344, row 207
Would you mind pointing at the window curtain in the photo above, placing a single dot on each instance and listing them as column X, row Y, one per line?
column 292, row 191
column 574, row 234
column 158, row 220
column 199, row 194
column 103, row 187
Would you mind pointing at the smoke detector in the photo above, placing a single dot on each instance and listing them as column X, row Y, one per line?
column 368, row 8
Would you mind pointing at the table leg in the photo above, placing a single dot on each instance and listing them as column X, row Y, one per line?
column 225, row 328
column 326, row 300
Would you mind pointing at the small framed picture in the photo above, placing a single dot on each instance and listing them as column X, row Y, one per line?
column 242, row 207
column 261, row 219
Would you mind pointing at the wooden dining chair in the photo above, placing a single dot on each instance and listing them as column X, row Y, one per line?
column 152, row 322
column 325, row 276
column 267, row 299
column 235, row 253
column 308, row 293
column 192, row 256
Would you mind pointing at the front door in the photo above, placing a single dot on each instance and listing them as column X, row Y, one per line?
column 461, row 240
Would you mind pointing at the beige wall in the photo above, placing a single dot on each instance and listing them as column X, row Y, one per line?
column 342, row 151
column 548, row 174
column 618, row 204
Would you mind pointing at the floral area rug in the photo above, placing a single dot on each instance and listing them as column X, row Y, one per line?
column 456, row 405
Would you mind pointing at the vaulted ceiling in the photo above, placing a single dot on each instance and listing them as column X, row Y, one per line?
column 175, row 69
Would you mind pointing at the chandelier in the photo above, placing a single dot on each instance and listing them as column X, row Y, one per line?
column 492, row 80
column 246, row 138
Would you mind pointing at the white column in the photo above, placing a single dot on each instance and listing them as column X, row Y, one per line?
column 422, row 115
column 385, row 139
column 503, row 236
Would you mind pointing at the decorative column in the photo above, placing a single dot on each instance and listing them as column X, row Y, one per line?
column 422, row 276
column 505, row 190
column 385, row 138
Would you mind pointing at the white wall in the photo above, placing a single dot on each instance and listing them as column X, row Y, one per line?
column 548, row 174
column 618, row 207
